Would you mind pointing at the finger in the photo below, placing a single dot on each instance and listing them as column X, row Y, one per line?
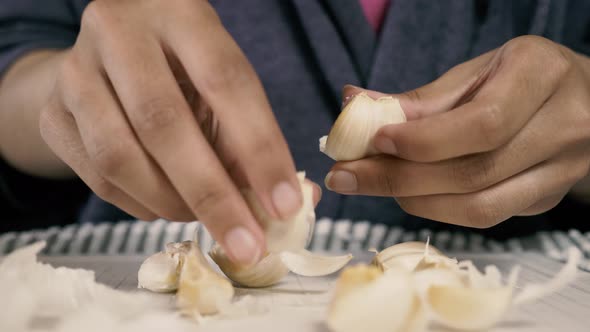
column 167, row 129
column 440, row 95
column 112, row 146
column 543, row 205
column 506, row 100
column 61, row 134
column 391, row 176
column 229, row 84
column 491, row 206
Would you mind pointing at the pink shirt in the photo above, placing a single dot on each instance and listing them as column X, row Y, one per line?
column 375, row 12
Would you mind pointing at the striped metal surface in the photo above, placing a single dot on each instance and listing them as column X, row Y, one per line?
column 143, row 238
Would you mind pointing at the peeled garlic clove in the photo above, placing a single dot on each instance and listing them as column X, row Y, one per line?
column 201, row 291
column 267, row 272
column 366, row 299
column 159, row 272
column 292, row 234
column 351, row 137
column 464, row 308
column 308, row 264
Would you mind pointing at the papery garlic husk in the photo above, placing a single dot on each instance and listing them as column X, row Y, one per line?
column 411, row 256
column 308, row 264
column 201, row 290
column 367, row 299
column 159, row 273
column 351, row 136
column 269, row 271
column 286, row 235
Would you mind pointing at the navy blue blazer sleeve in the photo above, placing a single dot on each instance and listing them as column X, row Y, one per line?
column 27, row 25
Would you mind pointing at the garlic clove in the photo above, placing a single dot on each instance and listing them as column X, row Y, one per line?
column 159, row 272
column 308, row 264
column 412, row 256
column 292, row 234
column 351, row 136
column 201, row 291
column 465, row 308
column 269, row 271
column 367, row 299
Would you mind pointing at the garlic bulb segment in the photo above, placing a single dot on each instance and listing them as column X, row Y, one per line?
column 269, row 271
column 159, row 272
column 308, row 264
column 292, row 234
column 465, row 308
column 367, row 299
column 351, row 136
column 201, row 290
column 411, row 256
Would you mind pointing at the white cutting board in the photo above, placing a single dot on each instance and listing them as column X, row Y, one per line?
column 299, row 304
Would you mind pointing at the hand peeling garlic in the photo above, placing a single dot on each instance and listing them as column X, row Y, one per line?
column 454, row 294
column 351, row 137
column 286, row 240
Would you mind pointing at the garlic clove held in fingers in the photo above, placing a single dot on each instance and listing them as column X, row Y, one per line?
column 291, row 234
column 308, row 264
column 351, row 136
column 267, row 272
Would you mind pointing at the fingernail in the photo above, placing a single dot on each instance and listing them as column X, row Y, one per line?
column 286, row 200
column 385, row 145
column 242, row 246
column 342, row 181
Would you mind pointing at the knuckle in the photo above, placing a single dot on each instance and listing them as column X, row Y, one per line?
column 103, row 189
column 555, row 59
column 95, row 15
column 413, row 95
column 109, row 156
column 491, row 124
column 387, row 184
column 473, row 173
column 154, row 114
column 224, row 73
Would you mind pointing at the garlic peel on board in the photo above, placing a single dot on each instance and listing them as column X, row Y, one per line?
column 456, row 296
column 351, row 136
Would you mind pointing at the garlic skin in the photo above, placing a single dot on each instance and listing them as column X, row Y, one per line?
column 159, row 273
column 269, row 271
column 367, row 299
column 351, row 137
column 412, row 256
column 286, row 235
column 308, row 264
column 201, row 291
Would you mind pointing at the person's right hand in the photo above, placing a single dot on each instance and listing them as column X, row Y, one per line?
column 160, row 113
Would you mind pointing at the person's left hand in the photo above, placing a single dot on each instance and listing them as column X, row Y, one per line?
column 505, row 134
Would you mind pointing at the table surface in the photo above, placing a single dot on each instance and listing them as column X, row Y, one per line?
column 299, row 303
